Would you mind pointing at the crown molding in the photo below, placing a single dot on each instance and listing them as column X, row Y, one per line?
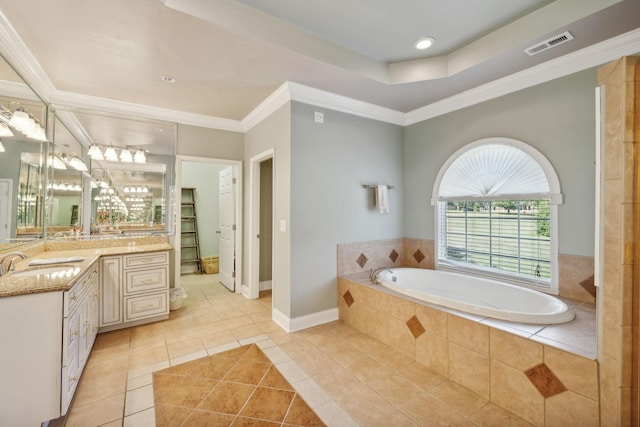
column 23, row 62
column 70, row 100
column 290, row 91
column 271, row 103
column 592, row 56
column 332, row 101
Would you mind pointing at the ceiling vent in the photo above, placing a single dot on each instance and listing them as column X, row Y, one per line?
column 548, row 44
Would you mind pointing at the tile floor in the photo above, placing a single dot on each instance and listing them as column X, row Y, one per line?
column 346, row 377
column 236, row 387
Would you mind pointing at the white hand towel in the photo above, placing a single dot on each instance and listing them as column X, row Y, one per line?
column 382, row 199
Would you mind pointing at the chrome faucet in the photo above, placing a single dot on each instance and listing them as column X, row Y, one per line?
column 374, row 275
column 11, row 256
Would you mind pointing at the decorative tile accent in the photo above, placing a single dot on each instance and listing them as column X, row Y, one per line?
column 362, row 260
column 544, row 380
column 418, row 255
column 348, row 298
column 589, row 286
column 394, row 255
column 415, row 327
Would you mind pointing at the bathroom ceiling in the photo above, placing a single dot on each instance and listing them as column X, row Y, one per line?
column 228, row 56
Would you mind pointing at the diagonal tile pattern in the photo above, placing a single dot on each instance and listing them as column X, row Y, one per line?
column 236, row 385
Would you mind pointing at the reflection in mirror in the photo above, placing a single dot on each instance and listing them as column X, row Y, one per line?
column 22, row 150
column 131, row 165
column 64, row 207
column 128, row 197
column 30, row 195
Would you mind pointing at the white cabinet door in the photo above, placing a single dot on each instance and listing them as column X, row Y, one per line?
column 111, row 290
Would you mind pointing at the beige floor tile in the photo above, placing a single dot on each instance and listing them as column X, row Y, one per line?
column 364, row 404
column 426, row 410
column 492, row 415
column 459, row 398
column 147, row 357
column 97, row 413
column 395, row 419
column 183, row 348
column 217, row 338
column 100, row 386
column 245, row 331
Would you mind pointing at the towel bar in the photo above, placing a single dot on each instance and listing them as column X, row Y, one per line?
column 374, row 186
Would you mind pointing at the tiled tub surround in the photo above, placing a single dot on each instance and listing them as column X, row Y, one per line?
column 521, row 368
column 575, row 272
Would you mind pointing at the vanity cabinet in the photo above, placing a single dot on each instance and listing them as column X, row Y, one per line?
column 47, row 338
column 135, row 289
column 79, row 329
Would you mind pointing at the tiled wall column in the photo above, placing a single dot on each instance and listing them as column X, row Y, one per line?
column 618, row 318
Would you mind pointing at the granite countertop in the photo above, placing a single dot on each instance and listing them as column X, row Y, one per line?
column 11, row 285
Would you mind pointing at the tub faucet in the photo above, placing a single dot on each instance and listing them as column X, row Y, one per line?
column 374, row 275
column 11, row 256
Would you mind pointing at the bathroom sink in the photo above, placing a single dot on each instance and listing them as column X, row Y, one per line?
column 56, row 270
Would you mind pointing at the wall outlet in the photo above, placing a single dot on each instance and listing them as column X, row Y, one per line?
column 318, row 117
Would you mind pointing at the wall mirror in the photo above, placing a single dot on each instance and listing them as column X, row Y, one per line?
column 23, row 150
column 131, row 164
column 69, row 168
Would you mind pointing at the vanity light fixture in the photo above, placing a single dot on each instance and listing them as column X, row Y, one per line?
column 110, row 154
column 424, row 43
column 77, row 163
column 23, row 122
column 95, row 153
column 4, row 130
column 125, row 156
column 56, row 162
column 140, row 157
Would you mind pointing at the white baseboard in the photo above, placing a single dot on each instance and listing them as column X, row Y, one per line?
column 303, row 322
column 244, row 290
column 265, row 285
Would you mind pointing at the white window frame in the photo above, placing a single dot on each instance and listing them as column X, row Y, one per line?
column 554, row 196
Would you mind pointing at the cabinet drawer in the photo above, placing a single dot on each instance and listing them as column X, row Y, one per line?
column 145, row 260
column 146, row 280
column 75, row 294
column 139, row 307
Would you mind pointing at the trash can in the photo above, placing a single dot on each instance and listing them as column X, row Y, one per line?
column 175, row 298
column 210, row 264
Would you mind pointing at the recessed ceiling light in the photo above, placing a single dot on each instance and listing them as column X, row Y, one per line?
column 424, row 43
column 168, row 79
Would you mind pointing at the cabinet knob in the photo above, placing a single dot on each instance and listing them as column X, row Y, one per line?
column 74, row 297
column 73, row 379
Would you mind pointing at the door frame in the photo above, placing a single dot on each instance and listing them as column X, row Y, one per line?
column 9, row 208
column 253, row 289
column 238, row 194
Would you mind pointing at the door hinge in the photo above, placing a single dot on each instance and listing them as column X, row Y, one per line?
column 234, row 180
column 233, row 274
column 233, row 227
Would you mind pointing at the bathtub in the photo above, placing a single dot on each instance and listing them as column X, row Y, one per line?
column 482, row 297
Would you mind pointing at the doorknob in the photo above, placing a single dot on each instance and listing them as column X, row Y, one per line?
column 217, row 231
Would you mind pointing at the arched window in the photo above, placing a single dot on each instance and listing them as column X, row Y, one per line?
column 496, row 213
